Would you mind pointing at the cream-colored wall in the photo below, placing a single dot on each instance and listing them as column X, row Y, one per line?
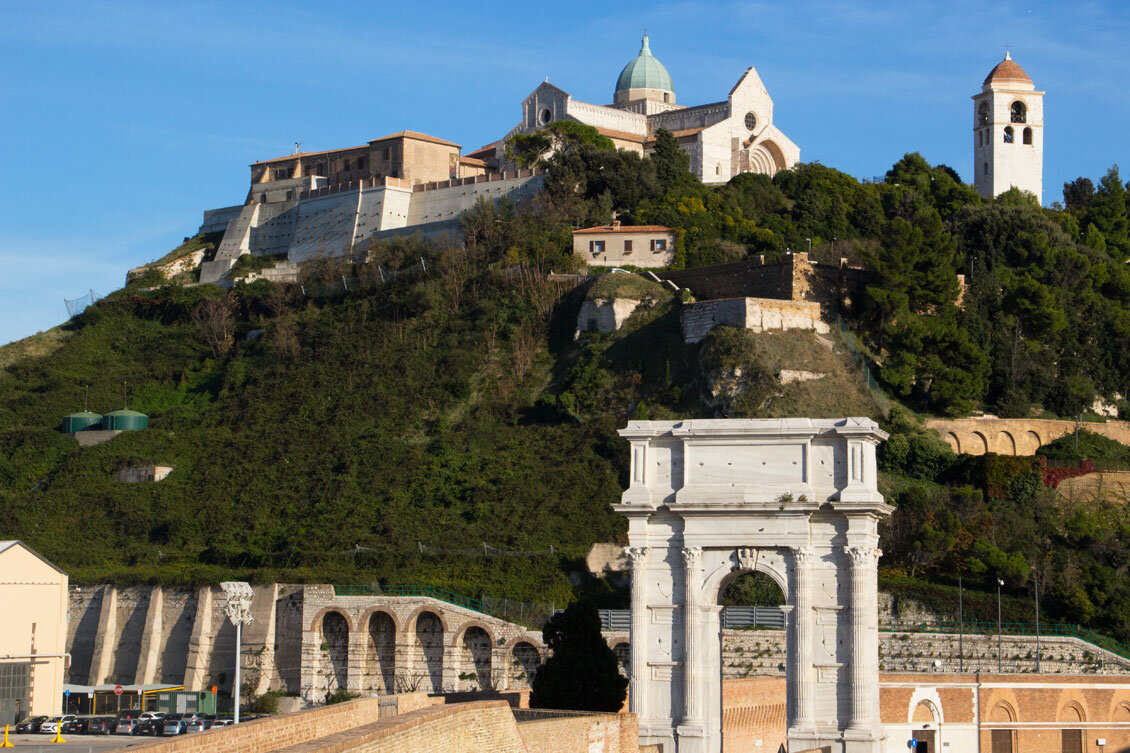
column 33, row 599
column 641, row 254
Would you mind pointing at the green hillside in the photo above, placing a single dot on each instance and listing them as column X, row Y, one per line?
column 446, row 428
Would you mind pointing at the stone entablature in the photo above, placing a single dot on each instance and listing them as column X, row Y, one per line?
column 794, row 498
column 1016, row 436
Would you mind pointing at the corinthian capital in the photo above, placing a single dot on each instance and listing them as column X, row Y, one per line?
column 803, row 556
column 864, row 556
column 637, row 554
column 692, row 556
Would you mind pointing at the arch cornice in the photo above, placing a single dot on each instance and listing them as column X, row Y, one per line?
column 409, row 625
column 366, row 617
column 457, row 636
column 316, row 623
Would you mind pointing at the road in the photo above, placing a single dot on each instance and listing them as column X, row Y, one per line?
column 74, row 744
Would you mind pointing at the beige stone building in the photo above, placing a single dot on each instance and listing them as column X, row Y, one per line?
column 33, row 633
column 625, row 245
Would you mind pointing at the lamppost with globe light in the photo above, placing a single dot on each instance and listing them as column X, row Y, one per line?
column 1000, row 582
column 238, row 610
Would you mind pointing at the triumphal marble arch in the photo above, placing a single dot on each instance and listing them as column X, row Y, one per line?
column 794, row 498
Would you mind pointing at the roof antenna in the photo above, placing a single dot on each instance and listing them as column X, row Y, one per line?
column 296, row 145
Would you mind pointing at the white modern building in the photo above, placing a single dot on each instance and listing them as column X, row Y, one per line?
column 1008, row 132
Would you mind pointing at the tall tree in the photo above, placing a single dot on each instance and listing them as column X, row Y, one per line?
column 581, row 673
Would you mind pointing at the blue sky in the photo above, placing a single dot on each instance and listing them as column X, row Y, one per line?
column 121, row 122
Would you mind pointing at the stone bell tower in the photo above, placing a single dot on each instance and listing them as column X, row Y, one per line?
column 1008, row 132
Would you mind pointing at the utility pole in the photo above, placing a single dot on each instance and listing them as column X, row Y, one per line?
column 238, row 610
column 960, row 626
column 1036, row 581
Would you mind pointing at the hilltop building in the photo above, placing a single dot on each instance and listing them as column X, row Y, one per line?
column 1008, row 132
column 723, row 139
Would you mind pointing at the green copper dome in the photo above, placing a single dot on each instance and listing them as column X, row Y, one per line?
column 644, row 72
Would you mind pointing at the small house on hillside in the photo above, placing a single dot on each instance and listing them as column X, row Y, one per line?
column 625, row 245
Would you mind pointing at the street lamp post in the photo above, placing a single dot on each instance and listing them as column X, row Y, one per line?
column 960, row 627
column 238, row 610
column 1000, row 583
column 1036, row 582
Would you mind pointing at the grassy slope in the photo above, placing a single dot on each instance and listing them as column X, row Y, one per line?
column 351, row 431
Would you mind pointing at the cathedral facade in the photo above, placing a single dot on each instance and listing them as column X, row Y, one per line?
column 723, row 139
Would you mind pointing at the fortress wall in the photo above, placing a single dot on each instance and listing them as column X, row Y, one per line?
column 756, row 314
column 443, row 204
column 132, row 609
column 276, row 234
column 325, row 226
column 84, row 608
column 179, row 610
column 216, row 220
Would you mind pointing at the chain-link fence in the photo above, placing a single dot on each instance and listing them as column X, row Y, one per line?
column 862, row 363
column 343, row 284
column 78, row 305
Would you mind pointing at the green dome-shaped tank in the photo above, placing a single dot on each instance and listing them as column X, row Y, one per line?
column 79, row 421
column 125, row 420
column 644, row 77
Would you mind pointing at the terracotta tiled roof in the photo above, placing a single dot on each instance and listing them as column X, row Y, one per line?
column 622, row 135
column 472, row 161
column 1008, row 70
column 310, row 154
column 486, row 151
column 417, row 136
column 622, row 229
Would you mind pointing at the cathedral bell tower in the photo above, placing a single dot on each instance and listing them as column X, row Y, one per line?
column 1008, row 132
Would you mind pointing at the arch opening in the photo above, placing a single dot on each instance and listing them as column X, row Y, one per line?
column 335, row 647
column 983, row 114
column 380, row 669
column 623, row 651
column 476, row 647
column 1028, row 136
column 524, row 663
column 1018, row 112
column 429, row 641
column 1009, row 136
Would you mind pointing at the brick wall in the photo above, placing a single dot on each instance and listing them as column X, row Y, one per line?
column 587, row 733
column 753, row 714
column 274, row 733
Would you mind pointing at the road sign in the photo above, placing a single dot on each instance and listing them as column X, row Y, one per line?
column 67, row 693
column 118, row 689
column 912, row 743
column 90, row 694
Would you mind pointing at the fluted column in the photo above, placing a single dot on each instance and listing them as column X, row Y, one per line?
column 803, row 558
column 692, row 671
column 637, row 672
column 864, row 637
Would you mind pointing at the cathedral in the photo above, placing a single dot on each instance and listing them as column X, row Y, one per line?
column 723, row 139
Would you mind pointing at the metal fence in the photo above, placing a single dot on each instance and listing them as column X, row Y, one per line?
column 732, row 617
column 345, row 284
column 1045, row 629
column 532, row 615
column 78, row 305
column 862, row 364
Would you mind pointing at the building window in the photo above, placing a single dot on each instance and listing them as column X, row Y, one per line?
column 1028, row 136
column 985, row 168
column 1019, row 113
column 627, row 247
column 1008, row 138
column 282, row 173
column 980, row 138
column 750, row 121
column 666, row 97
column 983, row 114
column 361, row 163
column 544, row 116
column 596, row 247
column 659, row 244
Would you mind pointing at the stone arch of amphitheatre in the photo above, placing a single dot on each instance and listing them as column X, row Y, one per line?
column 793, row 498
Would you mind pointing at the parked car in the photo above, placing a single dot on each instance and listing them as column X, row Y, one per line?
column 151, row 715
column 30, row 725
column 174, row 725
column 97, row 725
column 222, row 722
column 202, row 722
column 125, row 725
column 151, row 726
column 52, row 725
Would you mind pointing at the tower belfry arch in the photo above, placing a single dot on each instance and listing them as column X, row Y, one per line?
column 793, row 498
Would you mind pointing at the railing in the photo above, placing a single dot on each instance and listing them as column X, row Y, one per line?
column 1027, row 629
column 732, row 617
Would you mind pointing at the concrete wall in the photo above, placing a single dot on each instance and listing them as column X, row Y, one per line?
column 1015, row 436
column 33, row 605
column 579, row 733
column 604, row 314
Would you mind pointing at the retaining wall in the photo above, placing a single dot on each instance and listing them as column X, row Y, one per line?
column 1016, row 436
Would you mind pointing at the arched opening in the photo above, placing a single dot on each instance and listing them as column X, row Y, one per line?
column 985, row 168
column 752, row 589
column 1033, row 441
column 524, row 664
column 980, row 138
column 429, row 639
column 1008, row 135
column 1071, row 735
column 380, row 669
column 1001, row 740
column 476, row 647
column 983, row 114
column 1121, row 713
column 978, row 445
column 623, row 651
column 335, row 647
column 952, row 441
column 1028, row 136
column 925, row 718
column 1019, row 112
column 1006, row 445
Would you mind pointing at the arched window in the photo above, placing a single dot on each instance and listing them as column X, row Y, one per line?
column 983, row 114
column 1008, row 137
column 1028, row 136
column 985, row 168
column 1019, row 112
